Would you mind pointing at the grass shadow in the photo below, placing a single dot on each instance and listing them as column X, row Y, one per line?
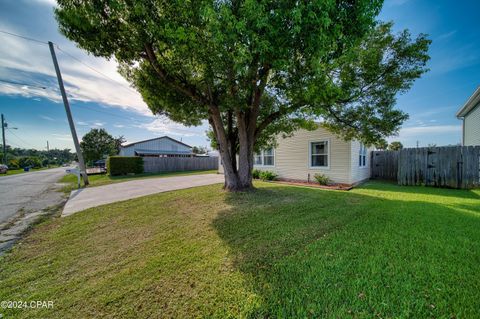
column 316, row 253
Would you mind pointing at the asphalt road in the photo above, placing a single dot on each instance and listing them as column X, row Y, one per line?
column 29, row 192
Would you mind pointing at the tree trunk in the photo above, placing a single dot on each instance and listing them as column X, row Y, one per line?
column 236, row 179
column 245, row 156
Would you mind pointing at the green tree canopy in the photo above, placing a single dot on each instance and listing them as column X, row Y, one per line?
column 382, row 144
column 98, row 144
column 255, row 69
column 395, row 146
column 199, row 150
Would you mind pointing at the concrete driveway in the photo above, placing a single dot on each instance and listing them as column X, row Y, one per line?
column 95, row 196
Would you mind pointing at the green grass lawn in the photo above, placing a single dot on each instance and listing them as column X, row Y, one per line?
column 104, row 179
column 281, row 251
column 21, row 171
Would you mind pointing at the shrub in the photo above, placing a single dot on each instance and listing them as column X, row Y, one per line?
column 256, row 173
column 13, row 163
column 322, row 179
column 30, row 161
column 268, row 175
column 122, row 165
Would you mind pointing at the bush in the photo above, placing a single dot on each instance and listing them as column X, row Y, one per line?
column 30, row 161
column 13, row 163
column 122, row 165
column 256, row 173
column 268, row 175
column 322, row 179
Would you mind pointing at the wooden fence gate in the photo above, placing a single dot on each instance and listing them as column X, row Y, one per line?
column 449, row 166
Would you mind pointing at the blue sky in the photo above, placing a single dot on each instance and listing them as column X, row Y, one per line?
column 105, row 100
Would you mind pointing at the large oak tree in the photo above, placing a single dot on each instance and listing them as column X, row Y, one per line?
column 255, row 68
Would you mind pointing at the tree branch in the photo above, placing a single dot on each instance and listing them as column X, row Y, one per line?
column 180, row 85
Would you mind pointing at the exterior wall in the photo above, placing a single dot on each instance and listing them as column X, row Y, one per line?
column 358, row 173
column 164, row 144
column 471, row 127
column 292, row 157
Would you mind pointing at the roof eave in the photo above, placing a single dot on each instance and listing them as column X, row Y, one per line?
column 157, row 138
column 470, row 104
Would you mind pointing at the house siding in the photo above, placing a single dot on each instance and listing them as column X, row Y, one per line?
column 292, row 157
column 471, row 127
column 358, row 173
column 164, row 144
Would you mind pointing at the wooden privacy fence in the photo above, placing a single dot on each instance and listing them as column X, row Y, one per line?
column 173, row 164
column 449, row 166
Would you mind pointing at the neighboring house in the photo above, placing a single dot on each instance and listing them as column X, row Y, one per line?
column 157, row 147
column 307, row 153
column 470, row 115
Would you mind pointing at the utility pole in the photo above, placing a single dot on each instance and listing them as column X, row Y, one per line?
column 81, row 162
column 48, row 153
column 4, row 144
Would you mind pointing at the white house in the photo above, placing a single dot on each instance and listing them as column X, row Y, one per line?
column 157, row 147
column 470, row 116
column 307, row 153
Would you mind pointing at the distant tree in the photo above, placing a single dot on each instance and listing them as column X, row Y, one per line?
column 13, row 163
column 118, row 143
column 98, row 144
column 432, row 145
column 382, row 144
column 199, row 150
column 395, row 146
column 255, row 69
column 30, row 161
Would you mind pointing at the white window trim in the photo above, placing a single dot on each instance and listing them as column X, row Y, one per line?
column 366, row 156
column 310, row 154
column 263, row 165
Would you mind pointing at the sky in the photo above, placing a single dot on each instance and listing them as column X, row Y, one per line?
column 101, row 98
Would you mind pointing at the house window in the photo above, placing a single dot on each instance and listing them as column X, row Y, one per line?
column 264, row 158
column 258, row 159
column 362, row 156
column 268, row 157
column 319, row 154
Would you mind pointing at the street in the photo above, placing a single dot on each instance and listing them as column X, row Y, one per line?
column 28, row 192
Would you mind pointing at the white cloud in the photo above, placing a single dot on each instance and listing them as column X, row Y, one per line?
column 447, row 134
column 82, row 123
column 119, row 125
column 446, row 35
column 429, row 130
column 47, row 2
column 31, row 63
column 63, row 137
column 392, row 3
column 98, row 124
column 164, row 126
column 48, row 118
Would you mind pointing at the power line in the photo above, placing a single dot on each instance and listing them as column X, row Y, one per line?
column 23, row 37
column 95, row 70
column 11, row 143
column 23, row 84
column 108, row 113
column 20, row 139
column 71, row 56
column 81, row 62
